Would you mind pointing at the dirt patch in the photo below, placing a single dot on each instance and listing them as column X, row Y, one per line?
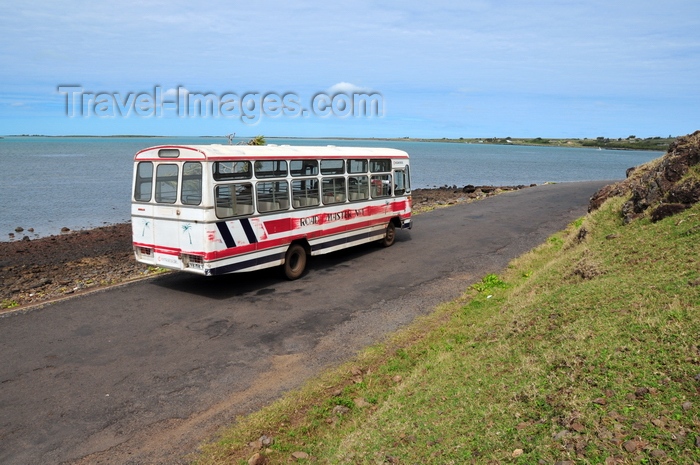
column 33, row 271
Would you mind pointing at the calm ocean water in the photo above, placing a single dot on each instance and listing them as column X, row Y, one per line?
column 54, row 182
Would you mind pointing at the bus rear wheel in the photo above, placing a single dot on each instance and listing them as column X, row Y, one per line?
column 389, row 235
column 294, row 262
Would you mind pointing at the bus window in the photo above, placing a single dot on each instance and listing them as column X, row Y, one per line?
column 166, row 183
column 305, row 193
column 357, row 166
column 333, row 190
column 332, row 167
column 144, row 181
column 399, row 182
column 272, row 196
column 303, row 167
column 271, row 169
column 381, row 185
column 232, row 170
column 191, row 183
column 234, row 199
column 358, row 188
column 380, row 166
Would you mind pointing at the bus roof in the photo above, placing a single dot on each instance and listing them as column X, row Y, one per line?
column 220, row 152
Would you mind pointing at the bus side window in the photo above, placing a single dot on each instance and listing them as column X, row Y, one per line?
column 234, row 200
column 399, row 182
column 380, row 185
column 358, row 188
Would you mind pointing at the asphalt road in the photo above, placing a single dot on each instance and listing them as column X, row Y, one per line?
column 143, row 372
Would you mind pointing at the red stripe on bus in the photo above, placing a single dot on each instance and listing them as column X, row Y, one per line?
column 283, row 225
column 242, row 249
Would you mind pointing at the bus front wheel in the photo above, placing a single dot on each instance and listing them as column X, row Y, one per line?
column 389, row 235
column 294, row 262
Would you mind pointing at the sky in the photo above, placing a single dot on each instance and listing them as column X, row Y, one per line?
column 475, row 68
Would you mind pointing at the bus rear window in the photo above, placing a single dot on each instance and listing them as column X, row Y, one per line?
column 191, row 183
column 230, row 170
column 166, row 183
column 144, row 181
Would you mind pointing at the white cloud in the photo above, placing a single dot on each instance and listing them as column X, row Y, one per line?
column 348, row 88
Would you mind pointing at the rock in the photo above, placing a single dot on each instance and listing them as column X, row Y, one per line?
column 657, row 182
column 687, row 406
column 630, row 446
column 581, row 236
column 299, row 455
column 340, row 410
column 266, row 440
column 19, row 229
column 687, row 193
column 397, row 379
column 26, row 239
column 40, row 283
column 600, row 401
column 257, row 459
column 667, row 209
column 657, row 453
column 641, row 391
column 517, row 453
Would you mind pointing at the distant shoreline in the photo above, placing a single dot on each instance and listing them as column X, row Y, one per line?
column 657, row 144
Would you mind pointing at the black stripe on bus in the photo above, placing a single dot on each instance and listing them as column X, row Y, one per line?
column 226, row 234
column 246, row 264
column 343, row 240
column 249, row 231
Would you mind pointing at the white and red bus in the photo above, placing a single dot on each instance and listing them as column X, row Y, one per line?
column 215, row 209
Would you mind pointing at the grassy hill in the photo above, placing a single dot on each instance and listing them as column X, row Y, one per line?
column 585, row 350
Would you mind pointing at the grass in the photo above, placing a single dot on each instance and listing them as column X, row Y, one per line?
column 584, row 350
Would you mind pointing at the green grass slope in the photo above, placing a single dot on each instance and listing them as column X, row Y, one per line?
column 585, row 350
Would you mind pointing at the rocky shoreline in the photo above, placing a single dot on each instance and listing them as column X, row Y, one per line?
column 34, row 271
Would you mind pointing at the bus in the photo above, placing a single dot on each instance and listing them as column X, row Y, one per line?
column 217, row 209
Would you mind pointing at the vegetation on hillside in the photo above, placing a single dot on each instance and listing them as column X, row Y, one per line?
column 585, row 350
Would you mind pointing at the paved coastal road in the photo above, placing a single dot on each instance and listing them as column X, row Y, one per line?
column 142, row 372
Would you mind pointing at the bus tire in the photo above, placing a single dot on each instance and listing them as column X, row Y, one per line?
column 389, row 235
column 294, row 262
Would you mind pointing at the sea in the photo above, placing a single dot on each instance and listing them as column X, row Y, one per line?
column 50, row 183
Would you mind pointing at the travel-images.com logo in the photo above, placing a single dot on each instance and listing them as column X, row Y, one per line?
column 342, row 101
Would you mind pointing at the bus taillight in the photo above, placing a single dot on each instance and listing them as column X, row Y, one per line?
column 143, row 252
